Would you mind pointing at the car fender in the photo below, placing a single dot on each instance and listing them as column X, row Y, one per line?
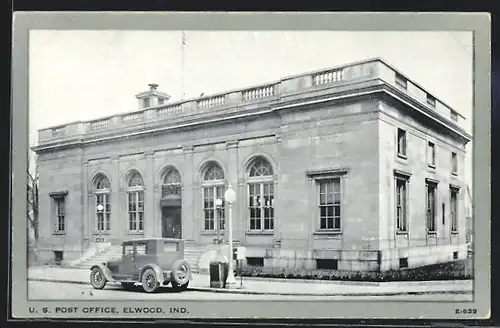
column 105, row 270
column 157, row 270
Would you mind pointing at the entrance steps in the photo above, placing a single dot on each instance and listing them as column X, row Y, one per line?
column 110, row 252
column 192, row 254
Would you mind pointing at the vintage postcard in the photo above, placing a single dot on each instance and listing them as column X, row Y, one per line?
column 233, row 165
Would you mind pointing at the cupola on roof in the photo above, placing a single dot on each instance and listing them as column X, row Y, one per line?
column 152, row 97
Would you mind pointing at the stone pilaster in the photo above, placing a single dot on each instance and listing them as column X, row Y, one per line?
column 189, row 218
column 232, row 178
column 85, row 218
column 117, row 221
column 149, row 196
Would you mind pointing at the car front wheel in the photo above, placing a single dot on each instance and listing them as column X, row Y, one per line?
column 149, row 282
column 97, row 279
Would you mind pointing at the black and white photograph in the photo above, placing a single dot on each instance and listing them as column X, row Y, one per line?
column 248, row 165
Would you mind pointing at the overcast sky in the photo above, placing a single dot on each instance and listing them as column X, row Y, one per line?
column 82, row 75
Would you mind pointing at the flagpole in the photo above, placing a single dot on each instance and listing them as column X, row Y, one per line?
column 183, row 44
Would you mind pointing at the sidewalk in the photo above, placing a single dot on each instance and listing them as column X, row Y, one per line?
column 201, row 282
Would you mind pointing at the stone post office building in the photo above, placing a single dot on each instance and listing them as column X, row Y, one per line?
column 354, row 167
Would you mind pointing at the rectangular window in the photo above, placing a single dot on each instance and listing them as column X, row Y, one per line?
column 208, row 208
column 330, row 204
column 454, row 116
column 104, row 214
column 401, row 143
column 60, row 214
column 431, row 100
column 145, row 102
column 431, row 206
column 141, row 249
column 136, row 211
column 454, row 209
column 431, row 155
column 327, row 264
column 401, row 204
column 210, row 195
column 255, row 261
column 128, row 250
column 454, row 163
column 161, row 101
column 261, row 206
column 169, row 247
column 443, row 213
column 221, row 213
column 401, row 80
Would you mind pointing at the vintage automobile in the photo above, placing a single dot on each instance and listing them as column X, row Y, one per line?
column 151, row 262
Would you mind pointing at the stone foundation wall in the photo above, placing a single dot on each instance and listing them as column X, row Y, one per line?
column 354, row 260
column 422, row 255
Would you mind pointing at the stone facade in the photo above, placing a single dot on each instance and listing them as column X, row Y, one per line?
column 284, row 148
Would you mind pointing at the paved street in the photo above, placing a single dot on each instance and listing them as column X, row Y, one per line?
column 64, row 291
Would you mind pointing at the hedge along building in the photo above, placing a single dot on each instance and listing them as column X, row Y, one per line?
column 350, row 168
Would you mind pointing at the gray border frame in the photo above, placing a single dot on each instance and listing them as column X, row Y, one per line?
column 478, row 23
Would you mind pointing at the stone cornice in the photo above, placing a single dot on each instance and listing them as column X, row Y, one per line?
column 238, row 114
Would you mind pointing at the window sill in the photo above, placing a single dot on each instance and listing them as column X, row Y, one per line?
column 135, row 233
column 257, row 233
column 212, row 233
column 454, row 232
column 328, row 233
column 403, row 233
column 58, row 233
column 431, row 167
column 454, row 174
column 432, row 233
column 102, row 234
column 402, row 157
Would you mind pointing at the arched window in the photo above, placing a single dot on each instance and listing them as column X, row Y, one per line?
column 135, row 195
column 102, row 192
column 213, row 188
column 171, row 183
column 261, row 195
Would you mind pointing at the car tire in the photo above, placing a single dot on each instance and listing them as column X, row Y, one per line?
column 176, row 286
column 149, row 282
column 181, row 272
column 128, row 285
column 97, row 278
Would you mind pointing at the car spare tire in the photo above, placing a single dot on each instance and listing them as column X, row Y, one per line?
column 181, row 272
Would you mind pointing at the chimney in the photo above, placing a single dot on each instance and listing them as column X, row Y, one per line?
column 152, row 97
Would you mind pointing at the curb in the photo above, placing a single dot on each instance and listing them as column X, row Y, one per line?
column 251, row 292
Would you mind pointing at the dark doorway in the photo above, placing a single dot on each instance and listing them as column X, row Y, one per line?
column 171, row 222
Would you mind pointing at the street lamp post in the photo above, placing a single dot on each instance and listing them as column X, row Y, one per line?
column 230, row 197
column 100, row 209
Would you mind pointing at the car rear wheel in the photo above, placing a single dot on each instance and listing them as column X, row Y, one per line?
column 176, row 286
column 181, row 272
column 128, row 285
column 149, row 282
column 97, row 279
